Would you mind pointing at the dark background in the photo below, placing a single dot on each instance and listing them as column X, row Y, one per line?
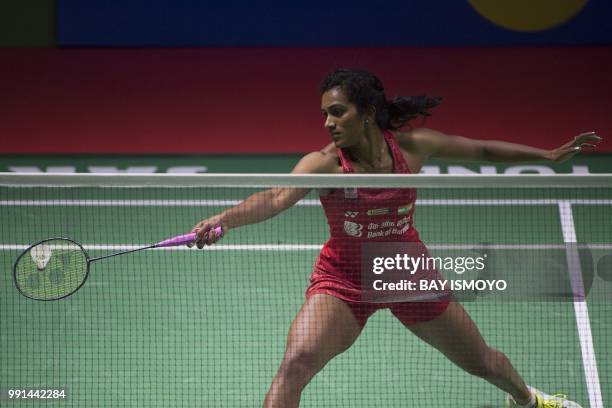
column 223, row 77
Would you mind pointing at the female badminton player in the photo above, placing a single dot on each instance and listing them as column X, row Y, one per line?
column 364, row 128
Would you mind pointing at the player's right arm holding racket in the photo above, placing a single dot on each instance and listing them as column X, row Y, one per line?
column 265, row 204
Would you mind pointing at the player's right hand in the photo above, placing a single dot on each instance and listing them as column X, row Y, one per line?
column 206, row 234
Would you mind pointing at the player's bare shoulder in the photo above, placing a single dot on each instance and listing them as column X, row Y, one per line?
column 324, row 161
column 405, row 139
column 419, row 141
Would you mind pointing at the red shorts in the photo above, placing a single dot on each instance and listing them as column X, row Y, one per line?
column 409, row 313
column 341, row 280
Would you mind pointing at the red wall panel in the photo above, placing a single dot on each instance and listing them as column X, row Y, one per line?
column 255, row 100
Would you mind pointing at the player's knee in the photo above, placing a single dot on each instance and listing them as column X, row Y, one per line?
column 485, row 366
column 299, row 364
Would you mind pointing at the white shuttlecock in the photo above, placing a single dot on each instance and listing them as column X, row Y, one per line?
column 41, row 255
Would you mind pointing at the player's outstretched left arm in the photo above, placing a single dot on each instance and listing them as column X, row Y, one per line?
column 431, row 143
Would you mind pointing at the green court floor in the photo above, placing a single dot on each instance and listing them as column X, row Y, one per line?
column 173, row 328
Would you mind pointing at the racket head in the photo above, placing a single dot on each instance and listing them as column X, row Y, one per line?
column 64, row 273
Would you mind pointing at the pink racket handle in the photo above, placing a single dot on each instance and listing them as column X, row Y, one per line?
column 185, row 239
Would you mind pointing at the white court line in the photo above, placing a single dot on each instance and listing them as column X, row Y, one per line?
column 218, row 247
column 119, row 203
column 589, row 360
column 310, row 247
column 304, row 203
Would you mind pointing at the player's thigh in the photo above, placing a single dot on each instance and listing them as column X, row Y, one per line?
column 455, row 334
column 323, row 328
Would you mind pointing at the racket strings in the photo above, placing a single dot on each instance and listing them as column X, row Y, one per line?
column 51, row 270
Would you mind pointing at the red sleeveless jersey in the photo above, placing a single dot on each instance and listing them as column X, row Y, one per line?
column 358, row 216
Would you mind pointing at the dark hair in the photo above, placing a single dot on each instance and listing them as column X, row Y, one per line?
column 365, row 90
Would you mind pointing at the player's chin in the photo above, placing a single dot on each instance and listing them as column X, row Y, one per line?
column 339, row 142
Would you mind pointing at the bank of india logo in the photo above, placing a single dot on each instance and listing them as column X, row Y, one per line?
column 352, row 228
column 528, row 15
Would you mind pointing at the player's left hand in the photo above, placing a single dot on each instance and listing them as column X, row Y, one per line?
column 588, row 140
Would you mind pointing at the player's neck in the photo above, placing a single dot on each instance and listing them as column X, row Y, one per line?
column 371, row 152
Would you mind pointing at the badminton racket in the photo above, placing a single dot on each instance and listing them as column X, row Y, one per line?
column 56, row 268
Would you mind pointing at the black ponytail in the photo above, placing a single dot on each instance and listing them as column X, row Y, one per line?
column 402, row 109
column 366, row 90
